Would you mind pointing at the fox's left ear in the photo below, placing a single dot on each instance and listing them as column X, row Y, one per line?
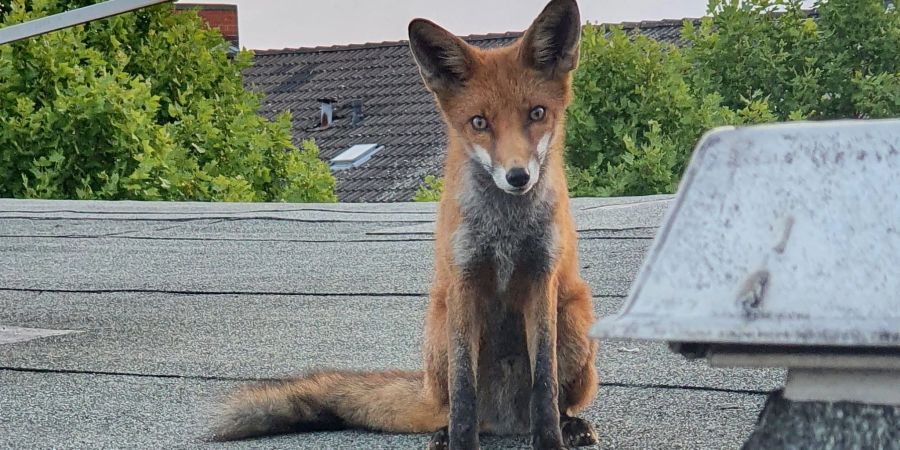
column 551, row 43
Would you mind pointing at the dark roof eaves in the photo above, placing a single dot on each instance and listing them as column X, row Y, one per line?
column 650, row 24
column 205, row 7
column 643, row 25
column 369, row 45
column 646, row 24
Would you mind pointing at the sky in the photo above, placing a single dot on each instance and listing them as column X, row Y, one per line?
column 266, row 24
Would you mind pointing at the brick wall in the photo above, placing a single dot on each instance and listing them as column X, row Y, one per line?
column 223, row 17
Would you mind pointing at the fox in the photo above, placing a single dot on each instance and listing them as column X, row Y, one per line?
column 506, row 348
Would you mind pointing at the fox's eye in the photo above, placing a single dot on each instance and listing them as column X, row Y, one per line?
column 479, row 123
column 537, row 113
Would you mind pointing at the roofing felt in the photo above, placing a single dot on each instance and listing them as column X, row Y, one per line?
column 399, row 113
column 170, row 305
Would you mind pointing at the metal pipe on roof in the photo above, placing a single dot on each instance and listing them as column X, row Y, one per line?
column 357, row 111
column 326, row 112
column 71, row 18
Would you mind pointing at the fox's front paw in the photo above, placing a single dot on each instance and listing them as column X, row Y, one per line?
column 577, row 432
column 440, row 440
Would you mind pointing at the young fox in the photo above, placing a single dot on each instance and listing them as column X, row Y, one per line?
column 506, row 348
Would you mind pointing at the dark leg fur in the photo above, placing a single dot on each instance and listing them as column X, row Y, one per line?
column 541, row 325
column 545, row 426
column 463, row 429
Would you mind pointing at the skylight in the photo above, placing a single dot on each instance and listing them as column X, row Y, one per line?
column 354, row 156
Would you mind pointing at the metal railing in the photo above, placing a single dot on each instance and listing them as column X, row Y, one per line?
column 71, row 18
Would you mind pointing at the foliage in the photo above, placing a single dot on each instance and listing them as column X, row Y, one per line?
column 640, row 106
column 826, row 68
column 147, row 105
column 634, row 118
column 430, row 190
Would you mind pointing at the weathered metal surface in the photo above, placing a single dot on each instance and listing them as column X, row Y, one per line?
column 71, row 18
column 783, row 234
column 842, row 358
column 876, row 387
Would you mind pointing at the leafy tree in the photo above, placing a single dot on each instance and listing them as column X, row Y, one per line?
column 640, row 106
column 839, row 63
column 146, row 105
column 634, row 118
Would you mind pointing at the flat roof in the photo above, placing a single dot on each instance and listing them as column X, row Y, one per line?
column 174, row 304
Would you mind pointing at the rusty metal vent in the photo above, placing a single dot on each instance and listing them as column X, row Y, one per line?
column 783, row 234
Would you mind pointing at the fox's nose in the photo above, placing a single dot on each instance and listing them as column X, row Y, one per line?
column 517, row 177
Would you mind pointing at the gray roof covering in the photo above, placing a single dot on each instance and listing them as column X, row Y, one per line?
column 173, row 304
column 399, row 112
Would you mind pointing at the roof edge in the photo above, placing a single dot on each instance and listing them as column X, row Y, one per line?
column 206, row 6
column 401, row 43
column 645, row 24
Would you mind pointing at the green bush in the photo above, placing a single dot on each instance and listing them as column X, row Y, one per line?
column 146, row 105
column 640, row 106
column 430, row 190
column 842, row 65
column 634, row 118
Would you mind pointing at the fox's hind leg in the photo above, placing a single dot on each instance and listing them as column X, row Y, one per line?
column 575, row 350
column 435, row 347
column 575, row 355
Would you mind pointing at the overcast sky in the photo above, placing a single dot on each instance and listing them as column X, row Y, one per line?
column 267, row 24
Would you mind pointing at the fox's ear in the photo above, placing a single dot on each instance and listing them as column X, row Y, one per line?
column 551, row 43
column 444, row 60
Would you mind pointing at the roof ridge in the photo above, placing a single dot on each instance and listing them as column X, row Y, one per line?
column 400, row 43
column 662, row 23
column 628, row 25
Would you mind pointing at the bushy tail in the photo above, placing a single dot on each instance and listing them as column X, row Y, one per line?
column 392, row 401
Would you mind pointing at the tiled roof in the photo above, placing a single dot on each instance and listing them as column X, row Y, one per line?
column 399, row 113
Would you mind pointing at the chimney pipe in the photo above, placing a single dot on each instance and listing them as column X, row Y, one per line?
column 357, row 115
column 326, row 112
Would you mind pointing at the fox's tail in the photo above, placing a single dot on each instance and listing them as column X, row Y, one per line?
column 392, row 401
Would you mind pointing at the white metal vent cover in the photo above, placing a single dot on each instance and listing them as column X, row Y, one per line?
column 784, row 234
column 354, row 156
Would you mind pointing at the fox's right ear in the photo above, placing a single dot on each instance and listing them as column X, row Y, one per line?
column 444, row 60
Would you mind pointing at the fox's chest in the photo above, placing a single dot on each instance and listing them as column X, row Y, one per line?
column 506, row 235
